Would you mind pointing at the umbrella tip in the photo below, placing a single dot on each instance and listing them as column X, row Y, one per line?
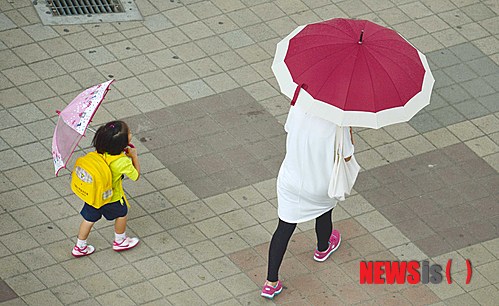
column 58, row 112
column 361, row 35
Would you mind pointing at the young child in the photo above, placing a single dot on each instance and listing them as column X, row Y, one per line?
column 110, row 140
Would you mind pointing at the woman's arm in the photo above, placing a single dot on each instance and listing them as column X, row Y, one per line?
column 347, row 159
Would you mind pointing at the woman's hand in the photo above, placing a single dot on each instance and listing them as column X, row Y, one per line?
column 347, row 159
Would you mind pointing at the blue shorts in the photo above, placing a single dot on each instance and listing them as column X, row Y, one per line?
column 110, row 211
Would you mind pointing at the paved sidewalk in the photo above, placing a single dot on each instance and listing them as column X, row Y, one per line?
column 193, row 80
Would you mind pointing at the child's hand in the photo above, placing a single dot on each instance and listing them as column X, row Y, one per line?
column 131, row 152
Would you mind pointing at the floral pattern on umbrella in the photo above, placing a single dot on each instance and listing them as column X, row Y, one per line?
column 73, row 122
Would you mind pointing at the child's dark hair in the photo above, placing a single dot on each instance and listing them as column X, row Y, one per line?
column 111, row 138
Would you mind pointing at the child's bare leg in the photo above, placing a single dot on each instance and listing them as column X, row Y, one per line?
column 81, row 248
column 120, row 225
column 85, row 228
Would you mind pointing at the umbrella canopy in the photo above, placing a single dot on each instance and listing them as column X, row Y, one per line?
column 73, row 122
column 353, row 73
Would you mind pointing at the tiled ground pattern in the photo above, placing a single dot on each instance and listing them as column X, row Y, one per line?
column 442, row 200
column 198, row 249
column 217, row 143
column 336, row 281
column 466, row 87
column 6, row 293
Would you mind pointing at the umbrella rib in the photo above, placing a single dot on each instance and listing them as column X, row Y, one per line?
column 397, row 64
column 325, row 34
column 351, row 77
column 399, row 52
column 382, row 67
column 380, row 30
column 351, row 27
column 372, row 85
column 339, row 29
column 330, row 73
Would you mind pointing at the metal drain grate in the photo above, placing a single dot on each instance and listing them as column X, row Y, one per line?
column 84, row 7
column 55, row 12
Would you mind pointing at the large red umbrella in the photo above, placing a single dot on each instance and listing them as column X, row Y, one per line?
column 353, row 73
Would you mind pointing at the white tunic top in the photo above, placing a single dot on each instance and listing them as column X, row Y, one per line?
column 305, row 173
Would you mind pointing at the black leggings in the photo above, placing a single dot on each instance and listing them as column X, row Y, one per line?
column 280, row 240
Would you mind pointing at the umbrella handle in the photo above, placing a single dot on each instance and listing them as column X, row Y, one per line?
column 297, row 91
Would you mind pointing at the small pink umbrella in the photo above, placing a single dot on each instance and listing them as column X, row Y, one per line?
column 353, row 73
column 73, row 122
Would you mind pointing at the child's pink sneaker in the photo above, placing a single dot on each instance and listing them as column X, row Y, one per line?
column 269, row 291
column 334, row 243
column 127, row 244
column 84, row 251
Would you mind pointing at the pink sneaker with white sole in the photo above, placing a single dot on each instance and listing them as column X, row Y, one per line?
column 127, row 244
column 334, row 243
column 269, row 291
column 84, row 251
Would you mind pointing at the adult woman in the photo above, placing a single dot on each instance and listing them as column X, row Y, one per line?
column 302, row 189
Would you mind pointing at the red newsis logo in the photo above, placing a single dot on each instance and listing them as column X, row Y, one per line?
column 401, row 272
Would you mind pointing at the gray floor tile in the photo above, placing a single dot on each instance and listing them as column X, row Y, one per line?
column 447, row 115
column 139, row 124
column 478, row 88
column 217, row 145
column 478, row 11
column 453, row 94
column 163, row 117
column 415, row 229
column 424, row 122
column 471, row 109
column 493, row 80
column 460, row 73
column 435, row 209
column 466, row 52
column 229, row 179
column 6, row 23
column 6, row 293
column 490, row 102
column 434, row 245
column 443, row 58
column 441, row 79
column 170, row 155
column 254, row 173
column 483, row 66
column 222, row 141
column 186, row 170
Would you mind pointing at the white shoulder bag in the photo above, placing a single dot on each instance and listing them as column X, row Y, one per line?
column 344, row 173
